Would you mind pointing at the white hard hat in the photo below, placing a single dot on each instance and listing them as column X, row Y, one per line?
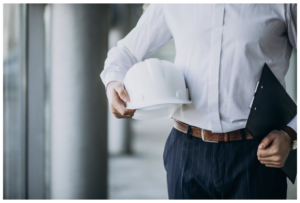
column 156, row 88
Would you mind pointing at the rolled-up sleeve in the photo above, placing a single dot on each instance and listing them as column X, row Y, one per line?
column 150, row 34
column 292, row 24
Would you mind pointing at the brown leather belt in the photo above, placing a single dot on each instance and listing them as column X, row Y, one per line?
column 212, row 137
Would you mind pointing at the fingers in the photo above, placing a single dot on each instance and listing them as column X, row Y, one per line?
column 119, row 110
column 122, row 115
column 273, row 155
column 117, row 96
column 265, row 149
column 273, row 166
column 118, row 115
column 122, row 92
column 273, row 161
column 267, row 140
column 270, row 159
column 270, row 163
column 120, row 107
column 265, row 152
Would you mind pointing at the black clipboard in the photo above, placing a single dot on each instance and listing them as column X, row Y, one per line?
column 271, row 109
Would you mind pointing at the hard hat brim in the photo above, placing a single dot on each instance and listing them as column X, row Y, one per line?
column 149, row 104
column 156, row 113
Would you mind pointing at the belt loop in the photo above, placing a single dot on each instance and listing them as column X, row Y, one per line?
column 226, row 136
column 189, row 130
column 243, row 134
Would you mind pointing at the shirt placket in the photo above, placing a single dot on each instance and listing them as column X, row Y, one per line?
column 214, row 69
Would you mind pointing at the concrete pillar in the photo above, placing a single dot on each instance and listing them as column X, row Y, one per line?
column 35, row 101
column 79, row 42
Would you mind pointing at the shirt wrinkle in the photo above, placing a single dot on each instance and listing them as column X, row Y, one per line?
column 221, row 50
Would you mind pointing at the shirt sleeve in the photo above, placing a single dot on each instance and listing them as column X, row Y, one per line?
column 292, row 24
column 150, row 34
column 293, row 124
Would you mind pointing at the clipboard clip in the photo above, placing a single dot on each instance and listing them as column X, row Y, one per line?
column 254, row 95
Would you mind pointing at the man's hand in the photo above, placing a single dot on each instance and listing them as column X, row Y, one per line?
column 117, row 95
column 274, row 155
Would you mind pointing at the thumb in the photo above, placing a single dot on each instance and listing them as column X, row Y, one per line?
column 122, row 93
column 267, row 140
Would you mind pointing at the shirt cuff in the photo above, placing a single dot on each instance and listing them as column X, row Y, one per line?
column 112, row 76
column 293, row 124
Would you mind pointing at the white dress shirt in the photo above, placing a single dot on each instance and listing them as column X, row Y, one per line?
column 220, row 49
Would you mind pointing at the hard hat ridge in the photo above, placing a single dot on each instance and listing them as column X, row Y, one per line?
column 155, row 84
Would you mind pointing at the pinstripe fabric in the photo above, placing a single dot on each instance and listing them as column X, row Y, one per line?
column 202, row 170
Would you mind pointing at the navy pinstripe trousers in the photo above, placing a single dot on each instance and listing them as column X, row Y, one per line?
column 226, row 170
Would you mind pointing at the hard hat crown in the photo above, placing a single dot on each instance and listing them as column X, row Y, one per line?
column 154, row 84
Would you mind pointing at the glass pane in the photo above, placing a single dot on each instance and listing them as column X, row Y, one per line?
column 14, row 101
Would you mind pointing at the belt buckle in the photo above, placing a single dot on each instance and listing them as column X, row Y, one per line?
column 202, row 135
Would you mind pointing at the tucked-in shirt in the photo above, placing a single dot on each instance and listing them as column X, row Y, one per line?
column 221, row 50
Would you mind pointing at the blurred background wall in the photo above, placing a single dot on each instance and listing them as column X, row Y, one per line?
column 59, row 139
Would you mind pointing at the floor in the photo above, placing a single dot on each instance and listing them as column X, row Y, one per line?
column 142, row 175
